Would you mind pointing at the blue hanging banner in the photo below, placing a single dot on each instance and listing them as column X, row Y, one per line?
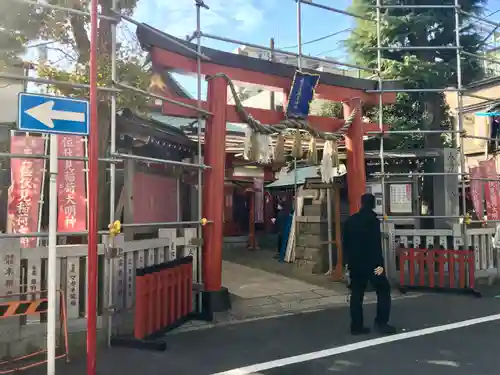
column 301, row 94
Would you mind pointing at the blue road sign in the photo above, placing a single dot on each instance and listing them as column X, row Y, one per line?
column 487, row 114
column 53, row 114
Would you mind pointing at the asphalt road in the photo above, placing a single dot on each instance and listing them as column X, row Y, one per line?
column 457, row 352
column 466, row 350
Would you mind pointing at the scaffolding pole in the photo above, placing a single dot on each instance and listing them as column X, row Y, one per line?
column 458, row 132
column 460, row 119
column 381, row 126
column 92, row 203
column 110, row 263
column 201, row 161
column 295, row 171
column 93, row 200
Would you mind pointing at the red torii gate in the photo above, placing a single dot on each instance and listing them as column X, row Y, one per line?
column 168, row 53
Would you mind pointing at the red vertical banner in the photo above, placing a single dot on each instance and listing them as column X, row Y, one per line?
column 25, row 189
column 491, row 191
column 476, row 191
column 72, row 208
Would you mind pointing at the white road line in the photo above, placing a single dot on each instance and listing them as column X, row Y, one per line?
column 248, row 370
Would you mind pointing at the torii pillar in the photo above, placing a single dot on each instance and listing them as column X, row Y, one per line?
column 355, row 150
column 215, row 298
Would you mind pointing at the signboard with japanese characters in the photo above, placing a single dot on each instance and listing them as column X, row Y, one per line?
column 130, row 280
column 301, row 94
column 491, row 189
column 10, row 265
column 72, row 212
column 73, row 289
column 25, row 190
column 191, row 251
column 476, row 192
column 400, row 198
column 119, row 266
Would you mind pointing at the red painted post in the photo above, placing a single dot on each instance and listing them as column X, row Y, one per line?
column 355, row 149
column 252, row 245
column 179, row 291
column 412, row 266
column 157, row 300
column 451, row 255
column 471, row 263
column 442, row 260
column 190, row 287
column 185, row 293
column 141, row 287
column 93, row 186
column 213, row 185
column 421, row 266
column 171, row 296
column 402, row 260
column 462, row 264
column 164, row 297
column 431, row 256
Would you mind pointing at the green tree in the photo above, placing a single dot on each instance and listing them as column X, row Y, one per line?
column 417, row 69
column 66, row 35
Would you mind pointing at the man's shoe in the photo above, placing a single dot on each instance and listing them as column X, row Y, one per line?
column 386, row 329
column 360, row 331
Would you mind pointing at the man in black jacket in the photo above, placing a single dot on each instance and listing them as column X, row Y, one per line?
column 280, row 222
column 362, row 242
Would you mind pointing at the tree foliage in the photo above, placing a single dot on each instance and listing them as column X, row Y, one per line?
column 431, row 67
column 66, row 36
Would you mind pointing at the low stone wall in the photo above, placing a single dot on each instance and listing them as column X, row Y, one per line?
column 311, row 250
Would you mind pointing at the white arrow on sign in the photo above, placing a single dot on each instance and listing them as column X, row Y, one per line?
column 46, row 114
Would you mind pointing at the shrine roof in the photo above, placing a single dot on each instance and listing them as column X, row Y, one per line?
column 150, row 38
column 140, row 127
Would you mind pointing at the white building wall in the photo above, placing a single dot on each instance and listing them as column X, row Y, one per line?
column 9, row 90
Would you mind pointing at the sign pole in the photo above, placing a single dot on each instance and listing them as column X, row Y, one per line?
column 93, row 186
column 59, row 115
column 52, row 262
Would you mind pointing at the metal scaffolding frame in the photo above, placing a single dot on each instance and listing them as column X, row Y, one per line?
column 460, row 134
column 118, row 87
column 115, row 157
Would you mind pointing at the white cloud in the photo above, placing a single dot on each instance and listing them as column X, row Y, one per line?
column 178, row 17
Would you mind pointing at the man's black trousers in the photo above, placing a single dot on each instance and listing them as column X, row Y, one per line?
column 359, row 282
column 280, row 241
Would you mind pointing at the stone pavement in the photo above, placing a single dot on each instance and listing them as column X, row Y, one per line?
column 258, row 294
column 464, row 351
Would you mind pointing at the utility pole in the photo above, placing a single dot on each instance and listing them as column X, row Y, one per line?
column 271, row 94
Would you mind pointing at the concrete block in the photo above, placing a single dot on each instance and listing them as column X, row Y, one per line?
column 309, row 240
column 304, row 265
column 299, row 252
column 313, row 210
column 309, row 228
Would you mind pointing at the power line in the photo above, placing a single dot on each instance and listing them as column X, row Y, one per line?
column 329, row 51
column 319, row 39
column 485, row 40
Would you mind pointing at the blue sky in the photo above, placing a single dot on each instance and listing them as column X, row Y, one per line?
column 256, row 21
